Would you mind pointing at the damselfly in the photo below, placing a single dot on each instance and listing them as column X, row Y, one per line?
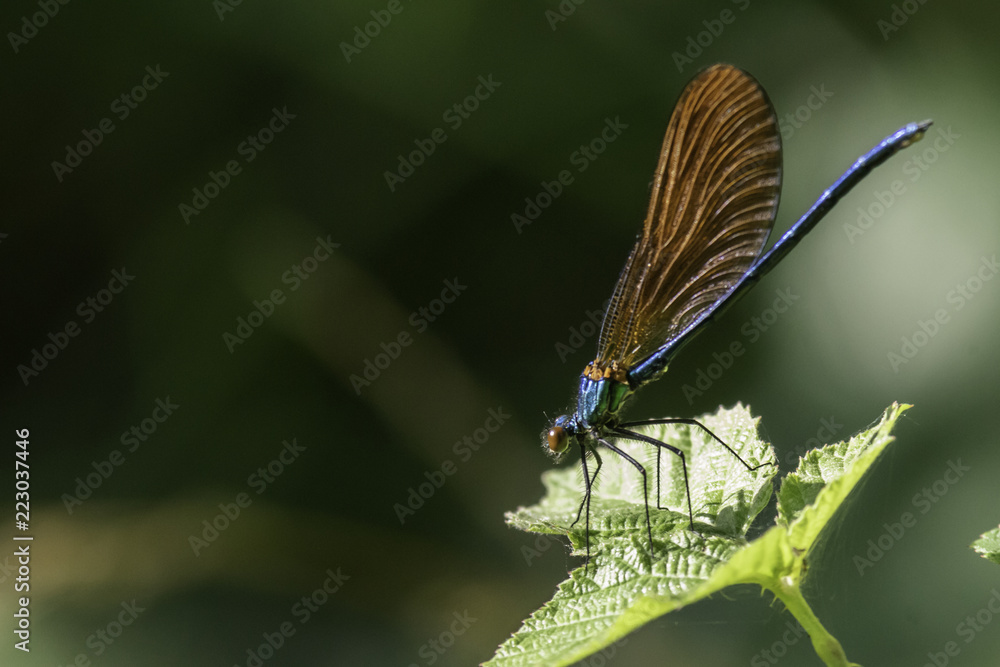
column 714, row 199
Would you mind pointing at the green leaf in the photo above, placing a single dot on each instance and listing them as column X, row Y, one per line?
column 988, row 545
column 810, row 496
column 625, row 585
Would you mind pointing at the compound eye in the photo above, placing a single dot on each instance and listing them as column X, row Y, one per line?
column 558, row 439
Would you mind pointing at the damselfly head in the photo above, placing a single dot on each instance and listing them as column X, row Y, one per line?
column 557, row 438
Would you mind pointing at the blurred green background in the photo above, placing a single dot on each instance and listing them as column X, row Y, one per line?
column 822, row 368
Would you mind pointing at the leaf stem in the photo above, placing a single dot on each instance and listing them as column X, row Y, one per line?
column 826, row 645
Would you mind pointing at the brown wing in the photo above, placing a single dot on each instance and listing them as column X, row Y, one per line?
column 715, row 195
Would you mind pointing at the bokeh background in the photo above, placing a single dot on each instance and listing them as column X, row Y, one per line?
column 821, row 369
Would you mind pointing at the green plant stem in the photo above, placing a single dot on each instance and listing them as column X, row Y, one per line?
column 826, row 645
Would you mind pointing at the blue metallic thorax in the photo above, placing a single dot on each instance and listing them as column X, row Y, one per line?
column 599, row 401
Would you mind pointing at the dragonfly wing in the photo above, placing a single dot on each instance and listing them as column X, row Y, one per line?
column 714, row 198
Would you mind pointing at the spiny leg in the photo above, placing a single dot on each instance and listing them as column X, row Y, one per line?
column 631, row 435
column 645, row 486
column 659, row 448
column 658, row 467
column 586, row 500
column 590, row 489
column 695, row 422
column 588, row 481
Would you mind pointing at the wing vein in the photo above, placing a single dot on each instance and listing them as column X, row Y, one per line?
column 714, row 197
